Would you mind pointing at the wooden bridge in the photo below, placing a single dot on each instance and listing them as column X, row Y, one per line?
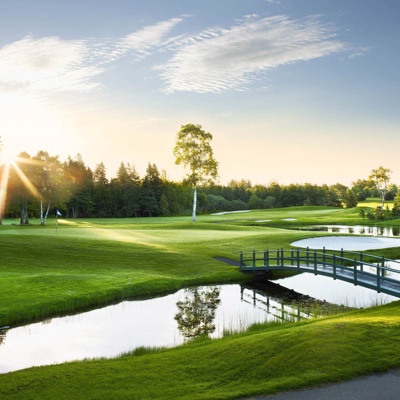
column 377, row 273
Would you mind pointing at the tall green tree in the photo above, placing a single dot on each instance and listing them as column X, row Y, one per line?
column 381, row 178
column 350, row 199
column 101, row 196
column 81, row 187
column 127, row 186
column 193, row 150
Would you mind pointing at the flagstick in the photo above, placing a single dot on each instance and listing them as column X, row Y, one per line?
column 57, row 215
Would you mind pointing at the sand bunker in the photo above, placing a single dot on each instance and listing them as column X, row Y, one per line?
column 231, row 212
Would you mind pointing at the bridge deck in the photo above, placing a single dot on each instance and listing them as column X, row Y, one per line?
column 376, row 273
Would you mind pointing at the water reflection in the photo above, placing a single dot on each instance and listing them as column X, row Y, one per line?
column 197, row 311
column 286, row 305
column 163, row 321
column 3, row 331
column 390, row 231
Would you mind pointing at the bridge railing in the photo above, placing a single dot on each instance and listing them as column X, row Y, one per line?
column 360, row 268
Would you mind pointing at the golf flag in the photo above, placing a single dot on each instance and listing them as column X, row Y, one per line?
column 58, row 214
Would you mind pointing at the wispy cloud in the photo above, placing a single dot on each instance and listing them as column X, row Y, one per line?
column 47, row 64
column 213, row 60
column 144, row 41
column 51, row 64
column 225, row 59
column 151, row 120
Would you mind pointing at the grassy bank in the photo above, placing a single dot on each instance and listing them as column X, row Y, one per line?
column 262, row 361
column 93, row 262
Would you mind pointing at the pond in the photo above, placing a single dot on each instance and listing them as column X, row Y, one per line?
column 390, row 231
column 170, row 320
column 350, row 243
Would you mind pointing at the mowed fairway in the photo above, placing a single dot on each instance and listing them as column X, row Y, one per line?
column 47, row 271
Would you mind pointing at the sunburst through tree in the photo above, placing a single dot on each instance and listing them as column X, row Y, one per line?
column 9, row 166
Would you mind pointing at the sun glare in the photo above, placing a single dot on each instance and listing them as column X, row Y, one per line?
column 8, row 161
column 7, row 158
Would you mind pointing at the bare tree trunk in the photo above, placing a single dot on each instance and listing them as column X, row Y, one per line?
column 47, row 213
column 75, row 212
column 24, row 213
column 41, row 211
column 194, row 204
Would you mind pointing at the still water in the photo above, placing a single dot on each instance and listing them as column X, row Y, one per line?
column 170, row 320
column 389, row 231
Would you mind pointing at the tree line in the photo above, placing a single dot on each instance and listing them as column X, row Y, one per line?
column 40, row 185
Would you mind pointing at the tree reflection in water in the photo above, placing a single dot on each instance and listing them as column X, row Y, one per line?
column 197, row 311
column 3, row 332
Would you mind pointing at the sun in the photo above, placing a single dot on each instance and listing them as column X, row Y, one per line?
column 7, row 155
column 7, row 158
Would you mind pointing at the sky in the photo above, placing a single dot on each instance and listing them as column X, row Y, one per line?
column 293, row 91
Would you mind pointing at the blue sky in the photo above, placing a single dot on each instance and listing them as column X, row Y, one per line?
column 292, row 90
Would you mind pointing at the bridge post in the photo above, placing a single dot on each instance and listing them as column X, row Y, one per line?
column 383, row 266
column 241, row 259
column 378, row 278
column 254, row 258
column 334, row 266
column 323, row 256
column 266, row 254
column 355, row 272
column 298, row 258
column 292, row 256
column 342, row 255
column 277, row 256
column 265, row 258
column 361, row 261
column 307, row 256
column 315, row 262
column 282, row 257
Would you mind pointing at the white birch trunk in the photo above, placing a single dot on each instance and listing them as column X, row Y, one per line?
column 43, row 215
column 194, row 204
column 41, row 211
column 47, row 213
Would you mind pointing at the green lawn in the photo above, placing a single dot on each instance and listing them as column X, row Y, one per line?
column 89, row 263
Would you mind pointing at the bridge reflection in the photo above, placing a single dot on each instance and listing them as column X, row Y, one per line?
column 285, row 305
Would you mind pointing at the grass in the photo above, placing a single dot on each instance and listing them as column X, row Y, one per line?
column 89, row 263
column 247, row 364
column 373, row 202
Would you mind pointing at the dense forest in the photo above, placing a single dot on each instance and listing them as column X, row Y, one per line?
column 40, row 185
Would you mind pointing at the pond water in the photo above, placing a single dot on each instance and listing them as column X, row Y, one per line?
column 390, row 231
column 350, row 243
column 168, row 320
